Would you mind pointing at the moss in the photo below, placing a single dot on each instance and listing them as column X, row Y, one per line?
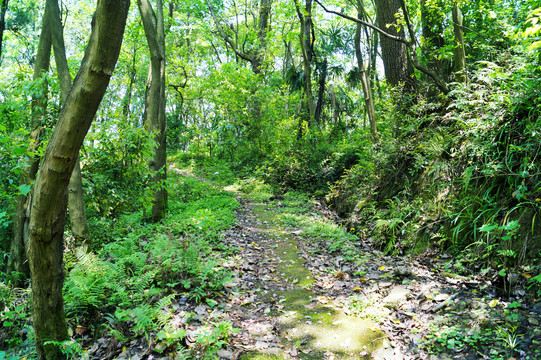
column 259, row 356
column 314, row 328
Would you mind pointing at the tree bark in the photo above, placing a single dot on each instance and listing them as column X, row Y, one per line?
column 365, row 79
column 307, row 49
column 3, row 9
column 459, row 51
column 76, row 206
column 49, row 199
column 321, row 92
column 154, row 115
column 398, row 69
column 17, row 261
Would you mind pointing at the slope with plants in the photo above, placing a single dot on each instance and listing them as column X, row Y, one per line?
column 462, row 176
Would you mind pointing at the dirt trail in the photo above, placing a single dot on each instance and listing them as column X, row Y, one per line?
column 285, row 316
column 292, row 297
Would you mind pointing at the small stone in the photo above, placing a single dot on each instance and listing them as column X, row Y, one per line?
column 533, row 321
column 402, row 271
column 261, row 344
column 395, row 297
column 225, row 354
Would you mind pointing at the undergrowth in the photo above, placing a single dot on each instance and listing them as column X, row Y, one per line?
column 462, row 176
column 128, row 286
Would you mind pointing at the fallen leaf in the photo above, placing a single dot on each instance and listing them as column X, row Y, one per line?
column 493, row 303
column 381, row 268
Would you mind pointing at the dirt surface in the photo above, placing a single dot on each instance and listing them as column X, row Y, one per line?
column 293, row 299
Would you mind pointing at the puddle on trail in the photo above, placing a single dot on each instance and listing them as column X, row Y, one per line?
column 312, row 329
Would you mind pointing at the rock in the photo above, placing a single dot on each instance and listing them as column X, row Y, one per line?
column 402, row 271
column 395, row 297
column 225, row 354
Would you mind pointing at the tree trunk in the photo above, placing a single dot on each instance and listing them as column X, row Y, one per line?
column 76, row 206
column 154, row 115
column 49, row 198
column 3, row 9
column 459, row 51
column 17, row 260
column 321, row 93
column 398, row 70
column 77, row 213
column 365, row 79
column 306, row 42
column 126, row 102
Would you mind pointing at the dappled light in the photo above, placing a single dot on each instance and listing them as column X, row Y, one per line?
column 268, row 179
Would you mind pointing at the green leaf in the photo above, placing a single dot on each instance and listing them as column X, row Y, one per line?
column 24, row 189
column 18, row 151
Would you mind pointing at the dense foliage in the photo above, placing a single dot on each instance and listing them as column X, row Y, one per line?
column 452, row 167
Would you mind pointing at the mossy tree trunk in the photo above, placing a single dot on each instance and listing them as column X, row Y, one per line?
column 49, row 199
column 154, row 115
column 306, row 39
column 459, row 51
column 76, row 206
column 17, row 262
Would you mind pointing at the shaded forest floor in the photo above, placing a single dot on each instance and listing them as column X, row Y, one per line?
column 300, row 286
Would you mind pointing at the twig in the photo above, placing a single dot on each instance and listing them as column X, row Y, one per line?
column 446, row 302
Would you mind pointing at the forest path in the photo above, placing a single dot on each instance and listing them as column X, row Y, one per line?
column 280, row 307
column 304, row 288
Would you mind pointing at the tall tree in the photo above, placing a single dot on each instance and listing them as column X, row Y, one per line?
column 49, row 198
column 154, row 115
column 17, row 261
column 3, row 9
column 398, row 69
column 307, row 39
column 365, row 78
column 459, row 51
column 76, row 206
column 51, row 37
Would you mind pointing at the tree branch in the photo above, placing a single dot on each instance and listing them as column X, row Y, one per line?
column 226, row 38
column 440, row 83
column 371, row 26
